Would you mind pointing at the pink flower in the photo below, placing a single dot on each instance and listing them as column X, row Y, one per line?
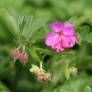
column 63, row 36
column 24, row 57
column 15, row 54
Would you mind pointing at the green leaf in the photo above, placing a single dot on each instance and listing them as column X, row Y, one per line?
column 33, row 25
column 85, row 34
column 20, row 20
column 58, row 72
column 67, row 73
column 79, row 84
column 89, row 37
column 34, row 54
column 3, row 88
column 9, row 22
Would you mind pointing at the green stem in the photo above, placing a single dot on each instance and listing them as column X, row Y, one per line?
column 41, row 66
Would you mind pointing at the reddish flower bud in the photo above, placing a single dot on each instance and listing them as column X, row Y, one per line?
column 78, row 37
column 44, row 77
column 15, row 54
column 40, row 78
column 47, row 76
column 24, row 57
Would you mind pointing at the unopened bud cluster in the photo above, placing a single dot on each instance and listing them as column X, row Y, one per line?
column 16, row 54
column 41, row 74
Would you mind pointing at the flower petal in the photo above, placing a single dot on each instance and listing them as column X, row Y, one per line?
column 73, row 41
column 68, row 41
column 68, row 29
column 57, row 26
column 58, row 47
column 51, row 39
column 65, row 42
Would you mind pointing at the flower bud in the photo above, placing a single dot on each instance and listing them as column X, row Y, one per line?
column 24, row 57
column 15, row 54
column 74, row 71
column 40, row 78
column 40, row 73
column 78, row 37
column 44, row 77
column 47, row 76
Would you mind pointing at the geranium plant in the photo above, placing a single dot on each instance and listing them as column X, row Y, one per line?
column 47, row 54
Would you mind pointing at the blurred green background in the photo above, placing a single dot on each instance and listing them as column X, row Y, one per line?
column 17, row 78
